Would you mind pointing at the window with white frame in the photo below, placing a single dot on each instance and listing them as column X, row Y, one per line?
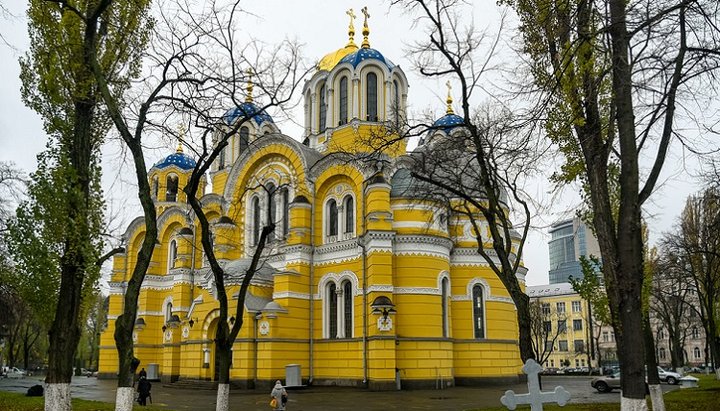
column 171, row 185
column 331, row 219
column 560, row 308
column 696, row 353
column 168, row 311
column 546, row 309
column 285, row 200
column 661, row 353
column 372, row 97
column 695, row 333
column 172, row 255
column 576, row 307
column 478, row 311
column 322, row 110
column 272, row 207
column 349, row 220
column 343, row 103
column 256, row 221
column 339, row 214
column 339, row 310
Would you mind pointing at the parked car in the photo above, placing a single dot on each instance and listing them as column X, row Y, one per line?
column 15, row 372
column 606, row 383
column 670, row 377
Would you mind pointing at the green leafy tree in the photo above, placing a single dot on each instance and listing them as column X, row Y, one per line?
column 58, row 84
column 591, row 289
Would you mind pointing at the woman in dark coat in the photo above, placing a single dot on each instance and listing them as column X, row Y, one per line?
column 144, row 387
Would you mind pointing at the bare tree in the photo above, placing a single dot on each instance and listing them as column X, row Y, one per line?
column 696, row 248
column 544, row 335
column 477, row 162
column 617, row 76
column 196, row 74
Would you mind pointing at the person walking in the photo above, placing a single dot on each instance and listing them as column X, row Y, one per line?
column 144, row 387
column 280, row 396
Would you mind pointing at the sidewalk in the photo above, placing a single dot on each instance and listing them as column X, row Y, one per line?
column 325, row 398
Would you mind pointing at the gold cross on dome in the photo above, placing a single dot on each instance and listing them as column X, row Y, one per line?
column 366, row 30
column 351, row 28
column 449, row 98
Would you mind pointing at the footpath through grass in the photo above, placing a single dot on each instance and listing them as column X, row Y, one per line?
column 10, row 401
column 704, row 398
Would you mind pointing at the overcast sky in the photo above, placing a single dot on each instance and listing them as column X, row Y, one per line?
column 322, row 27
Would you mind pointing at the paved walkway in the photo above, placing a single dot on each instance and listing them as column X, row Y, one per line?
column 335, row 398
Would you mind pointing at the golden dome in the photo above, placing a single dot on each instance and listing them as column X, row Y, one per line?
column 330, row 60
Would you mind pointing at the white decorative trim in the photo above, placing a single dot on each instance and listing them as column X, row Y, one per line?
column 380, row 288
column 422, row 245
column 151, row 313
column 291, row 294
column 337, row 252
column 417, row 290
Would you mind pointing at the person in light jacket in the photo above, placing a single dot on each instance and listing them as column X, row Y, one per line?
column 280, row 395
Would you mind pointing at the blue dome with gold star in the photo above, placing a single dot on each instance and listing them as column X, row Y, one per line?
column 448, row 122
column 247, row 109
column 366, row 54
column 178, row 159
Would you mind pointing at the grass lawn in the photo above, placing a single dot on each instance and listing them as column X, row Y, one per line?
column 704, row 398
column 10, row 401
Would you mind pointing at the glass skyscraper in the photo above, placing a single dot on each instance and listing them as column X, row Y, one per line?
column 569, row 239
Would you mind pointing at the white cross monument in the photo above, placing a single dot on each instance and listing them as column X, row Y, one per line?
column 534, row 397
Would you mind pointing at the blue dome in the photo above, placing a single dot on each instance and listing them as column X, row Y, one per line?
column 364, row 54
column 448, row 122
column 247, row 109
column 178, row 159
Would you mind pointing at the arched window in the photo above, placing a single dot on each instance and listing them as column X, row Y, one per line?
column 255, row 220
column 168, row 311
column 695, row 333
column 343, row 101
column 244, row 138
column 349, row 208
column 322, row 110
column 285, row 198
column 478, row 311
column 396, row 103
column 156, row 187
column 332, row 310
column 172, row 254
column 372, row 97
column 221, row 159
column 272, row 208
column 445, row 292
column 347, row 308
column 332, row 218
column 696, row 353
column 172, row 188
column 661, row 353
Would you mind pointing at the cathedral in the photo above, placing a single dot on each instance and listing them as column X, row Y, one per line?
column 363, row 283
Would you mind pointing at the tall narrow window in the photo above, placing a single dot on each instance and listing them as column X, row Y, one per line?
column 343, row 101
column 347, row 308
column 332, row 311
column 156, row 187
column 172, row 187
column 396, row 103
column 221, row 159
column 372, row 97
column 332, row 218
column 322, row 108
column 172, row 255
column 349, row 207
column 244, row 139
column 272, row 208
column 445, row 309
column 256, row 221
column 478, row 311
column 285, row 198
column 168, row 312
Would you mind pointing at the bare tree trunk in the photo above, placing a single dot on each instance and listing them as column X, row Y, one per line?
column 656, row 396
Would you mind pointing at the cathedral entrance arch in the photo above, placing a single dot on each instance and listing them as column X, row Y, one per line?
column 210, row 329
